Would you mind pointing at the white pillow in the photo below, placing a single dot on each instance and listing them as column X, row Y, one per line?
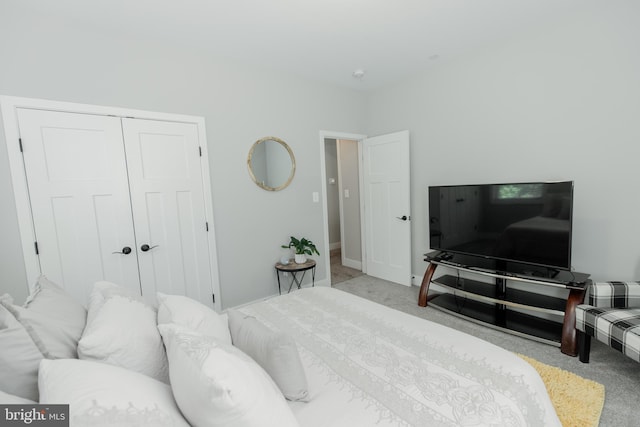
column 19, row 358
column 216, row 385
column 10, row 399
column 100, row 394
column 122, row 331
column 101, row 291
column 276, row 352
column 192, row 314
column 53, row 319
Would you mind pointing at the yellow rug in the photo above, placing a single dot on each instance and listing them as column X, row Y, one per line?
column 578, row 401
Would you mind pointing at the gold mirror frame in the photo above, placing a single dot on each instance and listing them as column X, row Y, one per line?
column 261, row 183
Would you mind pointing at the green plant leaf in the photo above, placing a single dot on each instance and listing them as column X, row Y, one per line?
column 302, row 246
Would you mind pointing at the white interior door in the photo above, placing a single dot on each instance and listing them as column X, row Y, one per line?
column 168, row 203
column 77, row 178
column 386, row 192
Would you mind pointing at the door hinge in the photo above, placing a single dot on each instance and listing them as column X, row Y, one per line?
column 35, row 244
column 213, row 296
column 206, row 224
column 200, row 150
column 20, row 144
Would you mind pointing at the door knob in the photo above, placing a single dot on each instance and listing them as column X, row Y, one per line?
column 145, row 247
column 125, row 251
column 403, row 217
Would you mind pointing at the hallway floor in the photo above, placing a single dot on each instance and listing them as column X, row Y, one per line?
column 340, row 273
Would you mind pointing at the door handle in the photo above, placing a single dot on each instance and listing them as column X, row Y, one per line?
column 125, row 251
column 403, row 217
column 145, row 247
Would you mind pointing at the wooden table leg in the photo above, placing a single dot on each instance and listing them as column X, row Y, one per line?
column 569, row 343
column 424, row 287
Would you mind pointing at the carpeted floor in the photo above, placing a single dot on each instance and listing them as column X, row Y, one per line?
column 619, row 374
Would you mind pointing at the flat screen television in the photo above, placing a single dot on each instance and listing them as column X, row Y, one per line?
column 524, row 223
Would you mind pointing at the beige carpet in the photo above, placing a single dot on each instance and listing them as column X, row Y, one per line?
column 578, row 401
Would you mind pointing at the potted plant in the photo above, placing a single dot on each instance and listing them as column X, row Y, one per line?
column 302, row 248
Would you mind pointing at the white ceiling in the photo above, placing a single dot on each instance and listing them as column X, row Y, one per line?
column 320, row 39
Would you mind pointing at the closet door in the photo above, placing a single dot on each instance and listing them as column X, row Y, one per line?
column 167, row 197
column 79, row 194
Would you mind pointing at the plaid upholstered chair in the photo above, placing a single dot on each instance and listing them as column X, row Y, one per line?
column 612, row 317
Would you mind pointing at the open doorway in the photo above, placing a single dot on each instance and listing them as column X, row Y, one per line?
column 343, row 208
column 341, row 190
column 383, row 169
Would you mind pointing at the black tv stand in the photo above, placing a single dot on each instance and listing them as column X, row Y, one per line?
column 505, row 307
column 445, row 256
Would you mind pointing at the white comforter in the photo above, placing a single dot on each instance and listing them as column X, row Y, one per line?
column 369, row 365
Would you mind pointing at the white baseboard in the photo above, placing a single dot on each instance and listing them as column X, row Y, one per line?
column 416, row 280
column 333, row 246
column 352, row 263
column 324, row 282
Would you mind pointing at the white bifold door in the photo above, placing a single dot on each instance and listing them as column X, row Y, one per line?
column 117, row 199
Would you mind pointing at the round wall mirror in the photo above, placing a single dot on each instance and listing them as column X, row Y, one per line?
column 271, row 163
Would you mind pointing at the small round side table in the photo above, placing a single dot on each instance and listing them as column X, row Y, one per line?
column 294, row 269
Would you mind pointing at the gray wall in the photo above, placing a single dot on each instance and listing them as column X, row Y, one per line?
column 333, row 193
column 43, row 59
column 559, row 103
column 349, row 175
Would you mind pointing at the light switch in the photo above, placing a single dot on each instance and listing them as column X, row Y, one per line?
column 316, row 197
column 346, row 193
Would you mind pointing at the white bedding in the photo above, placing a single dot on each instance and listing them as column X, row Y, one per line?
column 369, row 365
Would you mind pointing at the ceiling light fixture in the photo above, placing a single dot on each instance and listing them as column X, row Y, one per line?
column 359, row 74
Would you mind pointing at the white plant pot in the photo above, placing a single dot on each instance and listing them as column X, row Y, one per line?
column 300, row 258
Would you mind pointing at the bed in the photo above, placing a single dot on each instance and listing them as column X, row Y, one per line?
column 363, row 364
column 370, row 365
